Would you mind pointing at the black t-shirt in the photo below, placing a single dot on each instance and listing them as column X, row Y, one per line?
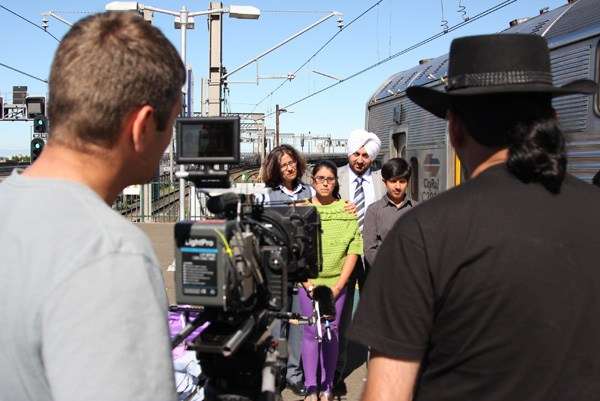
column 495, row 287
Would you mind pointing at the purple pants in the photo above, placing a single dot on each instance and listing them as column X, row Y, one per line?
column 310, row 347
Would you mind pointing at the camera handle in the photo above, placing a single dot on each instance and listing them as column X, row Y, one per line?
column 207, row 176
column 188, row 329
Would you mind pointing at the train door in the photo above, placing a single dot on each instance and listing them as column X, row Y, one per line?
column 459, row 173
column 456, row 171
column 414, row 179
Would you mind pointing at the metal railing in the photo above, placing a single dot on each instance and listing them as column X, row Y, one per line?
column 156, row 201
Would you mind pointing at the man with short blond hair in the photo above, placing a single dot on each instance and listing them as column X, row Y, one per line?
column 82, row 301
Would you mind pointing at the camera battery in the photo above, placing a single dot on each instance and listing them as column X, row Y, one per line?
column 200, row 264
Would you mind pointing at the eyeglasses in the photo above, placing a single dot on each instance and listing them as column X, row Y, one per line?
column 320, row 179
column 284, row 166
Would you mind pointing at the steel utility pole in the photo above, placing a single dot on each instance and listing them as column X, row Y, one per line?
column 276, row 125
column 184, row 24
column 278, row 111
column 215, row 55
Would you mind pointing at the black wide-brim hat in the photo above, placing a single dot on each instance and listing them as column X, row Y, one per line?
column 495, row 64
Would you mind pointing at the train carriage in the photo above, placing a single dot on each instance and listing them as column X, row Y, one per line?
column 408, row 131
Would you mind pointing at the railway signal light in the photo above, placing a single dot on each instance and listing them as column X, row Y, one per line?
column 40, row 125
column 36, row 106
column 37, row 145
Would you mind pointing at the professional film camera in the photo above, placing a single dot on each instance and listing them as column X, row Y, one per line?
column 236, row 269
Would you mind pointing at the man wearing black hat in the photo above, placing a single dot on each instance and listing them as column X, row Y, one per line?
column 490, row 290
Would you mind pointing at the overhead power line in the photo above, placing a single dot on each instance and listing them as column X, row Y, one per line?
column 22, row 72
column 75, row 12
column 404, row 51
column 29, row 21
column 318, row 51
column 296, row 11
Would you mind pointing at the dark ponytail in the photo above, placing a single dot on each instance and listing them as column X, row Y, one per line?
column 525, row 124
column 331, row 166
column 536, row 153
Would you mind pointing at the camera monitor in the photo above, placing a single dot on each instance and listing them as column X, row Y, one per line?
column 208, row 140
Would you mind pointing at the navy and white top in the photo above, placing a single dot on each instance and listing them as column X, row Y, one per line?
column 281, row 194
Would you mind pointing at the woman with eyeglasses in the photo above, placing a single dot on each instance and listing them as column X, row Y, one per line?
column 341, row 246
column 282, row 173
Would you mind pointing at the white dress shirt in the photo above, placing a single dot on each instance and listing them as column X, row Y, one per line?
column 368, row 187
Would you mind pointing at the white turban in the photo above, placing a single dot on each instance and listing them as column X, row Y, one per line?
column 359, row 138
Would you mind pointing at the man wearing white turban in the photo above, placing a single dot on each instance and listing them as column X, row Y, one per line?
column 362, row 186
column 363, row 148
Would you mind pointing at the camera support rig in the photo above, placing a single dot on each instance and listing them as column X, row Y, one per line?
column 233, row 368
column 236, row 270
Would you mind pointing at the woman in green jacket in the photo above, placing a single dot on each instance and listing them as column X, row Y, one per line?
column 341, row 246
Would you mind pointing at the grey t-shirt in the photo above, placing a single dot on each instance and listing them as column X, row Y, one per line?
column 82, row 300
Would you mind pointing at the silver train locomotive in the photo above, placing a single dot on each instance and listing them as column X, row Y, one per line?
column 406, row 130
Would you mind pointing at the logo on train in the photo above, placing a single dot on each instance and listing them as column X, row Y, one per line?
column 431, row 165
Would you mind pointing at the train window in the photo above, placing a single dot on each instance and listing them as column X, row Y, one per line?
column 414, row 180
column 377, row 164
column 398, row 145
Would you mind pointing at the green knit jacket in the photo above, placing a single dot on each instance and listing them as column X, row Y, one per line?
column 340, row 237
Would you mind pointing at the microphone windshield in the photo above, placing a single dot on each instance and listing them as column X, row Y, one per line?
column 324, row 296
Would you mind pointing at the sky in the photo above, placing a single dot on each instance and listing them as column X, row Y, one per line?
column 388, row 28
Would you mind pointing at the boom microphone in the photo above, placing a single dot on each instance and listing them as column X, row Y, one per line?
column 324, row 297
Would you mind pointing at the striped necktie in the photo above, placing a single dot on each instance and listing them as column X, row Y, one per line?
column 359, row 201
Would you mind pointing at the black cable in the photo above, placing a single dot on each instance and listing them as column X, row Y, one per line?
column 32, row 23
column 22, row 72
column 444, row 23
column 401, row 52
column 318, row 51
